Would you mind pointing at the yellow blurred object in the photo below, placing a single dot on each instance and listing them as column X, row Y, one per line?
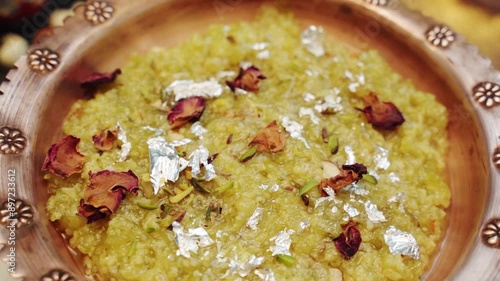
column 12, row 46
column 480, row 26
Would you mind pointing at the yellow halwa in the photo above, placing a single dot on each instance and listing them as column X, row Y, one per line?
column 135, row 244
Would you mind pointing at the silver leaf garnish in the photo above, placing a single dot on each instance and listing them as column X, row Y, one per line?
column 198, row 158
column 350, row 210
column 282, row 243
column 274, row 188
column 165, row 163
column 312, row 39
column 294, row 129
column 374, row 215
column 182, row 89
column 225, row 74
column 398, row 197
column 191, row 240
column 158, row 132
column 393, row 177
column 260, row 46
column 198, row 130
column 244, row 268
column 126, row 146
column 254, row 219
column 180, row 142
column 264, row 55
column 381, row 158
column 351, row 158
column 330, row 197
column 305, row 224
column 303, row 111
column 264, row 186
column 401, row 242
column 331, row 103
column 266, row 274
column 308, row 97
column 245, row 64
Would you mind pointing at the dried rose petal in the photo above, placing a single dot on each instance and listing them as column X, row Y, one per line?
column 105, row 193
column 247, row 79
column 63, row 158
column 91, row 83
column 186, row 110
column 382, row 115
column 349, row 174
column 348, row 242
column 270, row 139
column 104, row 141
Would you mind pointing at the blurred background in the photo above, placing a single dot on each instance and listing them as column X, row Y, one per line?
column 23, row 22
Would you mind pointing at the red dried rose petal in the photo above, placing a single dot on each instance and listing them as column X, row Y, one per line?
column 382, row 115
column 247, row 79
column 186, row 110
column 63, row 158
column 91, row 83
column 348, row 242
column 349, row 174
column 104, row 141
column 270, row 139
column 105, row 193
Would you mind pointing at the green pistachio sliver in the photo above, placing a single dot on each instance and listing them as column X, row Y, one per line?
column 286, row 260
column 369, row 178
column 308, row 186
column 333, row 144
column 147, row 206
column 149, row 229
column 249, row 154
column 198, row 186
column 177, row 198
column 223, row 188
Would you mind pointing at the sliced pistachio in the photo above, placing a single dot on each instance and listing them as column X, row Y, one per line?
column 147, row 206
column 177, row 198
column 286, row 260
column 149, row 229
column 223, row 188
column 198, row 186
column 333, row 144
column 369, row 178
column 249, row 154
column 308, row 186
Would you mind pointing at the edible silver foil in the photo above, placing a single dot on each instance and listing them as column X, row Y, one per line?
column 191, row 240
column 303, row 111
column 381, row 158
column 158, row 132
column 305, row 224
column 308, row 97
column 182, row 89
column 166, row 164
column 349, row 75
column 374, row 215
column 126, row 146
column 198, row 130
column 264, row 186
column 274, row 188
column 180, row 142
column 254, row 218
column 401, row 242
column 331, row 103
column 200, row 157
column 263, row 55
column 225, row 74
column 312, row 38
column 243, row 269
column 351, row 158
column 294, row 129
column 330, row 197
column 353, row 87
column 282, row 242
column 350, row 210
column 266, row 274
column 260, row 46
column 357, row 189
column 245, row 64
column 398, row 198
column 393, row 177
